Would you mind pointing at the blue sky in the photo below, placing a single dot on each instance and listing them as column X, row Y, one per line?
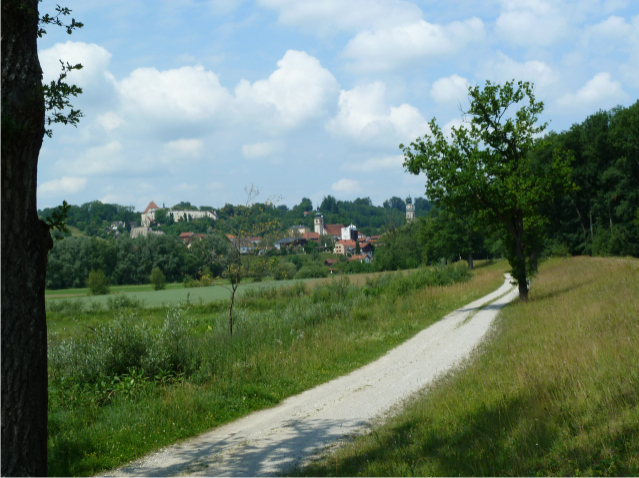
column 196, row 100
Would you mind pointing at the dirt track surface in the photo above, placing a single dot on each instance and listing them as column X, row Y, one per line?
column 270, row 441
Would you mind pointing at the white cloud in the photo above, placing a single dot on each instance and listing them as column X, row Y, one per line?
column 531, row 22
column 599, row 92
column 183, row 148
column 110, row 121
column 450, row 90
column 186, row 94
column 106, row 159
column 389, row 48
column 364, row 116
column 299, row 90
column 505, row 68
column 94, row 59
column 375, row 164
column 64, row 185
column 260, row 150
column 454, row 123
column 346, row 186
column 330, row 16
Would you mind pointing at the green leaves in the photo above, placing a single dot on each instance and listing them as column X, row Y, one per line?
column 56, row 99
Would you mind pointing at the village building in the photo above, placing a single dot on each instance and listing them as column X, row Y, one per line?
column 298, row 231
column 143, row 231
column 344, row 247
column 148, row 216
column 361, row 258
column 410, row 209
column 349, row 233
column 322, row 229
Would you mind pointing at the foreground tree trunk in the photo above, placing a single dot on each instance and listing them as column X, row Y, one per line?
column 25, row 243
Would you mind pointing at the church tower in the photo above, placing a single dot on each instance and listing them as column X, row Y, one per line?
column 319, row 223
column 410, row 209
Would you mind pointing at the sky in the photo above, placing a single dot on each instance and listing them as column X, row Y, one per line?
column 198, row 100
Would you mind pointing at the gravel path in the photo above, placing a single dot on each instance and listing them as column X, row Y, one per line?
column 269, row 441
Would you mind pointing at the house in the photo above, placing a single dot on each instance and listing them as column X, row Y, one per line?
column 334, row 230
column 246, row 244
column 349, row 233
column 344, row 247
column 311, row 236
column 187, row 237
column 361, row 258
column 289, row 242
column 298, row 231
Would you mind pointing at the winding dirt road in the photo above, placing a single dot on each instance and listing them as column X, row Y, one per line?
column 270, row 441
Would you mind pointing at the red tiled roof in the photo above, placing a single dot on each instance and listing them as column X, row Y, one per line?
column 361, row 257
column 333, row 229
column 186, row 234
column 347, row 243
column 151, row 205
column 313, row 236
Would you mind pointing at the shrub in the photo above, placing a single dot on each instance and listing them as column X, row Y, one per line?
column 285, row 270
column 123, row 301
column 98, row 283
column 158, row 279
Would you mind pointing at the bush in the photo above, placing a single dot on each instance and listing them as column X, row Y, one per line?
column 158, row 279
column 98, row 283
column 285, row 270
column 123, row 301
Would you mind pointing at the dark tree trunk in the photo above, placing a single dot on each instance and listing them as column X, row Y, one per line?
column 520, row 267
column 25, row 243
column 470, row 260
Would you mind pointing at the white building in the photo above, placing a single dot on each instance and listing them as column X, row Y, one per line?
column 148, row 216
column 349, row 233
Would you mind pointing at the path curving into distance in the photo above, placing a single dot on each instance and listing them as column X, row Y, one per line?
column 270, row 441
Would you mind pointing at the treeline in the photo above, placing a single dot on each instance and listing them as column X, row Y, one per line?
column 600, row 216
column 128, row 261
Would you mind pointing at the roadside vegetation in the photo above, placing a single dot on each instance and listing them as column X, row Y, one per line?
column 553, row 392
column 133, row 379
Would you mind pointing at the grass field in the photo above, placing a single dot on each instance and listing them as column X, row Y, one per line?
column 554, row 392
column 285, row 340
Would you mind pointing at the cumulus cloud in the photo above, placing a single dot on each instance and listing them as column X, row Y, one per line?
column 94, row 59
column 346, row 186
column 376, row 164
column 330, row 16
column 531, row 22
column 260, row 150
column 364, row 116
column 599, row 92
column 505, row 68
column 64, row 185
column 389, row 48
column 299, row 90
column 185, row 94
column 450, row 90
column 104, row 160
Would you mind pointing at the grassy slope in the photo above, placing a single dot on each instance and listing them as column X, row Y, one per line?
column 555, row 392
column 256, row 370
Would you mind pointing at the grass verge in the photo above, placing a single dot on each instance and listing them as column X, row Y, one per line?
column 554, row 392
column 285, row 341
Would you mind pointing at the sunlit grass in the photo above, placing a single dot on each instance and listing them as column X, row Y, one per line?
column 554, row 392
column 278, row 349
